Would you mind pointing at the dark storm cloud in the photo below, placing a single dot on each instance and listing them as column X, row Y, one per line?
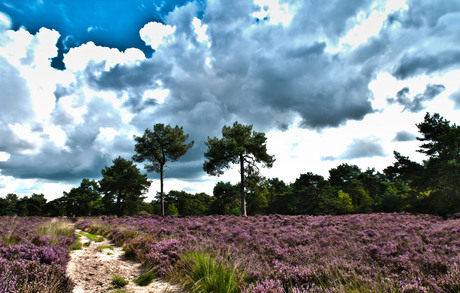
column 363, row 148
column 15, row 105
column 54, row 163
column 15, row 102
column 256, row 76
column 424, row 13
column 121, row 77
column 416, row 104
column 404, row 136
column 269, row 78
column 327, row 17
column 259, row 73
column 80, row 158
column 132, row 79
column 431, row 20
column 360, row 148
column 376, row 46
column 413, row 64
column 12, row 144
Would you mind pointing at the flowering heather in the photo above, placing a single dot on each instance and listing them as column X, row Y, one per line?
column 371, row 253
column 33, row 256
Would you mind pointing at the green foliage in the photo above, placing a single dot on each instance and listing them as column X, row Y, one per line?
column 8, row 205
column 225, row 201
column 239, row 144
column 172, row 210
column 77, row 245
column 187, row 204
column 119, row 282
column 434, row 187
column 123, row 182
column 102, row 247
column 84, row 200
column 205, row 273
column 392, row 200
column 145, row 278
column 345, row 205
column 406, row 186
column 159, row 146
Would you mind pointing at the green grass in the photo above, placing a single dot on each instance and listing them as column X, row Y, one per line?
column 77, row 245
column 204, row 273
column 119, row 282
column 92, row 237
column 102, row 247
column 145, row 278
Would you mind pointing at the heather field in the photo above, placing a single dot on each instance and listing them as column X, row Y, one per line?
column 352, row 253
column 34, row 252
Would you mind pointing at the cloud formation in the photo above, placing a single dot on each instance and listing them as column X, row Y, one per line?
column 456, row 98
column 404, row 136
column 273, row 66
column 416, row 104
column 360, row 148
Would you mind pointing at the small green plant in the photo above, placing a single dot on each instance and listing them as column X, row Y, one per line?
column 119, row 282
column 102, row 247
column 77, row 245
column 205, row 273
column 145, row 278
column 92, row 237
column 87, row 244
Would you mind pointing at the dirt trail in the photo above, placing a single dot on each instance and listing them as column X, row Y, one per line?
column 93, row 267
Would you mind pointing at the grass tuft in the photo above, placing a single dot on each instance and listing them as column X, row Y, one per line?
column 145, row 278
column 55, row 228
column 77, row 245
column 204, row 273
column 102, row 247
column 119, row 282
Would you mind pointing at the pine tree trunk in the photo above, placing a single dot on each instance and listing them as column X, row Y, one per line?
column 119, row 212
column 162, row 200
column 243, row 200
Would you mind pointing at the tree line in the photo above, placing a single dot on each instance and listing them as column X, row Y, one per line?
column 406, row 186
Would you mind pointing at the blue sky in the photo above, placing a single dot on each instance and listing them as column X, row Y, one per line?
column 328, row 82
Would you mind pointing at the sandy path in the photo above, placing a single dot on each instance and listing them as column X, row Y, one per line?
column 92, row 270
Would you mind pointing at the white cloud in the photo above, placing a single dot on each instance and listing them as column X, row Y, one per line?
column 4, row 156
column 200, row 30
column 78, row 58
column 158, row 94
column 368, row 24
column 274, row 11
column 208, row 72
column 5, row 21
column 155, row 33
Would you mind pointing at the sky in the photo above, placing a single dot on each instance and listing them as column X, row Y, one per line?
column 328, row 82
